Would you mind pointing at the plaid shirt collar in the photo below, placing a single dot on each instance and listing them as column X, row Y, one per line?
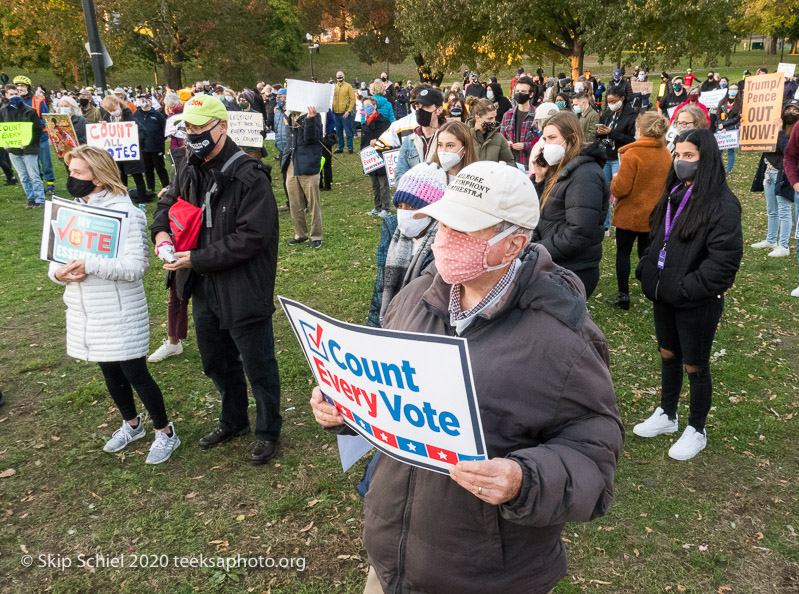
column 455, row 311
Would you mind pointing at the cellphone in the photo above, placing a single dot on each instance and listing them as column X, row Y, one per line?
column 540, row 161
column 598, row 125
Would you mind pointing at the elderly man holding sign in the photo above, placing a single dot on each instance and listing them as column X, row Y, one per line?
column 549, row 414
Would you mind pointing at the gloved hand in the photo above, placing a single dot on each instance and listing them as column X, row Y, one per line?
column 166, row 251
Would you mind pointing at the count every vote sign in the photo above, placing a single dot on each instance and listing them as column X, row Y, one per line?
column 410, row 395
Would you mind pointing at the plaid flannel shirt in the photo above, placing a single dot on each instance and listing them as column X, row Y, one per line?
column 529, row 133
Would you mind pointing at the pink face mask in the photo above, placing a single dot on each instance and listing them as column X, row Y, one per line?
column 461, row 257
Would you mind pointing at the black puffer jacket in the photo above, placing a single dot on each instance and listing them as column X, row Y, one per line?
column 303, row 148
column 699, row 270
column 239, row 252
column 622, row 129
column 572, row 223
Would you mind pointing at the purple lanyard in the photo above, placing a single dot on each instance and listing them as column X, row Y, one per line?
column 670, row 223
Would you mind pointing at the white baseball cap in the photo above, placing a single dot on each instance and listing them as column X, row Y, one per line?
column 484, row 194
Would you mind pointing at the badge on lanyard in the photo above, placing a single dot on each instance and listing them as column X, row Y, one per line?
column 670, row 224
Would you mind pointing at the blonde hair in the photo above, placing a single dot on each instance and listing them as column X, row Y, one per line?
column 654, row 125
column 697, row 115
column 111, row 103
column 377, row 87
column 102, row 165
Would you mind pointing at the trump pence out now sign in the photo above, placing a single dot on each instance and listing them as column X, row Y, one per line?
column 410, row 395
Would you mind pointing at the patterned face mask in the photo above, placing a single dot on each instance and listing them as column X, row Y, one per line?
column 460, row 257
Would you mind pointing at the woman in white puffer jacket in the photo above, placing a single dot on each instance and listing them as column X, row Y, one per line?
column 107, row 319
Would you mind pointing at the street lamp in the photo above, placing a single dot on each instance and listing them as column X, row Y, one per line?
column 388, row 74
column 310, row 52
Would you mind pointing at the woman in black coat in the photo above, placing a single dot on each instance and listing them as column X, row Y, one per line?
column 373, row 126
column 616, row 129
column 696, row 249
column 495, row 95
column 574, row 197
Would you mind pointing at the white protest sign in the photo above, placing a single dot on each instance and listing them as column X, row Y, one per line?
column 727, row 139
column 270, row 136
column 121, row 139
column 174, row 128
column 786, row 69
column 671, row 111
column 75, row 230
column 711, row 99
column 390, row 158
column 245, row 127
column 301, row 94
column 371, row 160
column 410, row 395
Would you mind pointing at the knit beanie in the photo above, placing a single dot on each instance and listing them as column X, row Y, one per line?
column 421, row 185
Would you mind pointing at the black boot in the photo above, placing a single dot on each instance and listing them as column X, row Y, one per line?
column 622, row 300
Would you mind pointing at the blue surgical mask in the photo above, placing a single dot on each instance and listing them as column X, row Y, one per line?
column 368, row 109
column 578, row 109
column 490, row 95
column 561, row 104
column 732, row 92
column 723, row 85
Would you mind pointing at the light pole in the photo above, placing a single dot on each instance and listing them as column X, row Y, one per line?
column 95, row 45
column 310, row 52
column 388, row 74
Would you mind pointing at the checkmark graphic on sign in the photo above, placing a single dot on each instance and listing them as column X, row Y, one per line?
column 313, row 335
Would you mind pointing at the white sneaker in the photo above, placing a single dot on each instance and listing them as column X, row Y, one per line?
column 167, row 349
column 374, row 211
column 657, row 424
column 779, row 252
column 795, row 292
column 163, row 446
column 691, row 442
column 384, row 213
column 124, row 435
column 761, row 245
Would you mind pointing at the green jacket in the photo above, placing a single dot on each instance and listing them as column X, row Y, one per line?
column 491, row 147
column 588, row 120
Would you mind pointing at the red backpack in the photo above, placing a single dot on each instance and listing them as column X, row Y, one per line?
column 185, row 219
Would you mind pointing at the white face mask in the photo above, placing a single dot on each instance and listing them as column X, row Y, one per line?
column 553, row 153
column 409, row 226
column 65, row 110
column 448, row 160
column 117, row 112
column 615, row 106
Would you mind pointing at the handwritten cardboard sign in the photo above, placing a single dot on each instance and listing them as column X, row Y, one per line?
column 410, row 395
column 762, row 105
column 245, row 128
column 15, row 134
column 74, row 230
column 786, row 68
column 641, row 86
column 121, row 139
column 61, row 132
column 371, row 160
column 390, row 158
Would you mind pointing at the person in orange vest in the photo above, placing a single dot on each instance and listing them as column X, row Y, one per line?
column 37, row 102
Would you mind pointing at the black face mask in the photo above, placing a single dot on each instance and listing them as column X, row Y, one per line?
column 83, row 102
column 790, row 118
column 521, row 98
column 685, row 170
column 201, row 144
column 424, row 117
column 489, row 126
column 456, row 112
column 79, row 188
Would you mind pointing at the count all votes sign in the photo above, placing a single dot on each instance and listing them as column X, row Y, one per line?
column 121, row 139
column 410, row 395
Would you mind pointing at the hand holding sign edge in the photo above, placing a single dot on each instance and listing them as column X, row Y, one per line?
column 495, row 481
column 325, row 413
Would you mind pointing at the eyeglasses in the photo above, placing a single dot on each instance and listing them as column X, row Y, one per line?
column 684, row 124
column 192, row 129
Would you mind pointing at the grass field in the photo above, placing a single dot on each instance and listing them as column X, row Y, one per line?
column 723, row 522
column 335, row 56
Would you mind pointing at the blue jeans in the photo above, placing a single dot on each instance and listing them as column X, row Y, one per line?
column 611, row 169
column 27, row 167
column 345, row 125
column 45, row 160
column 779, row 212
column 730, row 159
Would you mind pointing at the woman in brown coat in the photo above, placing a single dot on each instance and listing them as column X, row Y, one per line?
column 638, row 187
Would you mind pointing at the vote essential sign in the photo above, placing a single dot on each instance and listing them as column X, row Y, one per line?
column 410, row 395
column 121, row 139
column 74, row 230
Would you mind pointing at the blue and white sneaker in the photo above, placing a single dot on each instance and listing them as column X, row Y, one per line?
column 124, row 435
column 163, row 446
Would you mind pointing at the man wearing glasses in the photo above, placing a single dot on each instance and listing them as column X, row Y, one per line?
column 230, row 274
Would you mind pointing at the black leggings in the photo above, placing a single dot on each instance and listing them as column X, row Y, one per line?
column 154, row 162
column 589, row 278
column 624, row 247
column 120, row 376
column 688, row 334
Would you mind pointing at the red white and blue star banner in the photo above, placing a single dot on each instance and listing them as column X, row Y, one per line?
column 410, row 395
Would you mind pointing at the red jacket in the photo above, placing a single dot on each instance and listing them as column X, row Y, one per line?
column 790, row 162
column 688, row 102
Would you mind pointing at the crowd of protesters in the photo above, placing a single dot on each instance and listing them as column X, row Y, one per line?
column 565, row 166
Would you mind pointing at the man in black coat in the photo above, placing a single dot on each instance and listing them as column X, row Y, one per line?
column 25, row 159
column 230, row 273
column 153, row 124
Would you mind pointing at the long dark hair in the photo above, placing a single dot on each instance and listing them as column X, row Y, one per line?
column 709, row 185
column 737, row 103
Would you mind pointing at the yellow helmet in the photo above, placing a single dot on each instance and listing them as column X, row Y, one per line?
column 22, row 80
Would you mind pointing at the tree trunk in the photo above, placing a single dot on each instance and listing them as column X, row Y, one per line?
column 173, row 74
column 576, row 60
column 771, row 45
